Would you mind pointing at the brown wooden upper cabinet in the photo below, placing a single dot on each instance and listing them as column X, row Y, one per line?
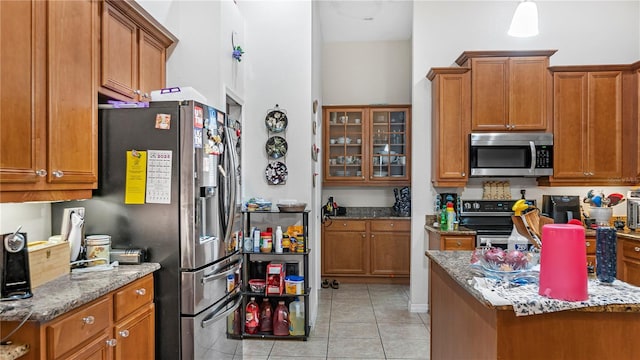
column 637, row 78
column 593, row 125
column 367, row 145
column 48, row 122
column 450, row 125
column 510, row 90
column 133, row 52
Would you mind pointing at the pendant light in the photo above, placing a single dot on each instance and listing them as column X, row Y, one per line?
column 525, row 20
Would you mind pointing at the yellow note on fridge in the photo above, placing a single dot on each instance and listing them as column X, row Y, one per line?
column 136, row 180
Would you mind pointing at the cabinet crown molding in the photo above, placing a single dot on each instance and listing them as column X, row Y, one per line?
column 462, row 59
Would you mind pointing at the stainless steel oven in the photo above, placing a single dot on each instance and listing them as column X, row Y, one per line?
column 490, row 219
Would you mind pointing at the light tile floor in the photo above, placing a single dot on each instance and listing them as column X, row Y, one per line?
column 356, row 321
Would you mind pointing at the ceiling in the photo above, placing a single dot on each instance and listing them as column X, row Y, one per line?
column 364, row 20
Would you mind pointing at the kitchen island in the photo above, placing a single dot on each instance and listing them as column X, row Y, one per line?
column 464, row 325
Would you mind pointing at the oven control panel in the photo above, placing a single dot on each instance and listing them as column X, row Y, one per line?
column 488, row 207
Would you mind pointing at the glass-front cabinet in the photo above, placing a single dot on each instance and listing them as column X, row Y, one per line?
column 367, row 145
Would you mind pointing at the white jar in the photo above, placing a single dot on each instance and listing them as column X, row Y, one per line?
column 98, row 246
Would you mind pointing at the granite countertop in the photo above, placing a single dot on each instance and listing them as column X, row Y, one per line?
column 13, row 351
column 71, row 291
column 369, row 213
column 456, row 264
column 461, row 230
column 624, row 234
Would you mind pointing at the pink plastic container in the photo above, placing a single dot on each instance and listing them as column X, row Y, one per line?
column 563, row 263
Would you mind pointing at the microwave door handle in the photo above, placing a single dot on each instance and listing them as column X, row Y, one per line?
column 533, row 157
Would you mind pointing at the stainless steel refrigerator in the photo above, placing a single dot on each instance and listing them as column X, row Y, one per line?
column 167, row 184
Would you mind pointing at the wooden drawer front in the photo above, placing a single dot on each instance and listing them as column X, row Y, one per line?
column 591, row 245
column 390, row 225
column 459, row 242
column 631, row 249
column 133, row 296
column 346, row 225
column 81, row 325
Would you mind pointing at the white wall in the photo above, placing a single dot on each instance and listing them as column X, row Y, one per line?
column 586, row 32
column 376, row 72
column 281, row 60
column 315, row 221
column 278, row 61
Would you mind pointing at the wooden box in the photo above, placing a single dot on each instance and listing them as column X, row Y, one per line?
column 47, row 261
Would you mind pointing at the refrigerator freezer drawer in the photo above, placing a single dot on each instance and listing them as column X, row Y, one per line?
column 204, row 336
column 207, row 286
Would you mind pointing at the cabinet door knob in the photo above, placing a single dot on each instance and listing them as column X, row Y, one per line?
column 146, row 96
column 636, row 249
column 372, row 236
column 364, row 235
column 112, row 342
column 58, row 173
column 458, row 243
column 588, row 244
column 124, row 333
column 137, row 92
column 464, row 174
column 41, row 172
column 141, row 291
column 88, row 320
column 344, row 224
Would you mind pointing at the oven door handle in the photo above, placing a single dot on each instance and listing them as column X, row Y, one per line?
column 532, row 146
column 215, row 315
column 232, row 268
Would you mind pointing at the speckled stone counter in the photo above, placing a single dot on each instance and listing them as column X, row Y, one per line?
column 625, row 234
column 71, row 291
column 13, row 351
column 465, row 326
column 368, row 213
column 456, row 264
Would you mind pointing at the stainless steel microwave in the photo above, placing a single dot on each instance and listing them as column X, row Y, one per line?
column 511, row 154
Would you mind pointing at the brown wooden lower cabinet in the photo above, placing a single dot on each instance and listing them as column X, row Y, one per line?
column 94, row 331
column 366, row 250
column 629, row 261
column 439, row 241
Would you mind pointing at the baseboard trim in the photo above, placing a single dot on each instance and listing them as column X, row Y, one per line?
column 418, row 308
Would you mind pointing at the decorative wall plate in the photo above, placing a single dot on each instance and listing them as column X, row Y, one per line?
column 276, row 121
column 276, row 147
column 276, row 173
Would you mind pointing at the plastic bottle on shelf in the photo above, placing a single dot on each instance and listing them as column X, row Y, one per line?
column 266, row 313
column 278, row 240
column 252, row 317
column 256, row 240
column 443, row 219
column 296, row 317
column 451, row 216
column 281, row 320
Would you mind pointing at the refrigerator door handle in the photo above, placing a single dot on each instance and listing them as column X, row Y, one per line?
column 231, row 212
column 232, row 268
column 214, row 316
